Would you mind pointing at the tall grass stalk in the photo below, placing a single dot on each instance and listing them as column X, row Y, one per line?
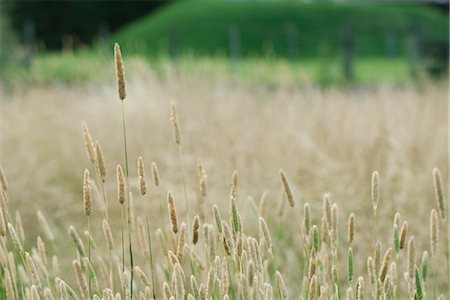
column 127, row 198
column 177, row 137
column 120, row 74
column 89, row 251
column 151, row 257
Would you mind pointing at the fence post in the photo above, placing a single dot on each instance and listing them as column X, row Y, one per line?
column 173, row 43
column 29, row 37
column 234, row 41
column 103, row 38
column 292, row 41
column 390, row 42
column 415, row 50
column 347, row 50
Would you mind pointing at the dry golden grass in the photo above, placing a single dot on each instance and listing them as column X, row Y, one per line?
column 324, row 141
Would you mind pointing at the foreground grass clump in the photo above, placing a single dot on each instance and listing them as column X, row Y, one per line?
column 214, row 253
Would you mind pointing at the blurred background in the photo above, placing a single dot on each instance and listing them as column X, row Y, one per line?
column 319, row 42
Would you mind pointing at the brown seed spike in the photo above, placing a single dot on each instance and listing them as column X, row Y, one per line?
column 175, row 123
column 375, row 192
column 155, row 174
column 439, row 192
column 181, row 242
column 434, row 232
column 120, row 72
column 2, row 223
column 172, row 212
column 87, row 193
column 88, row 143
column 403, row 233
column 108, row 235
column 287, row 188
column 141, row 173
column 100, row 161
column 351, row 227
column 120, row 185
column 385, row 265
column 195, row 228
column 3, row 180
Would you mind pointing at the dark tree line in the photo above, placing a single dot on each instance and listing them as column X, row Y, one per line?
column 83, row 20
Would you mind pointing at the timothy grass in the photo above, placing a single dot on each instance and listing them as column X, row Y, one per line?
column 328, row 144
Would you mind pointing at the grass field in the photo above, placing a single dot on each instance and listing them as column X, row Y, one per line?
column 326, row 141
column 84, row 66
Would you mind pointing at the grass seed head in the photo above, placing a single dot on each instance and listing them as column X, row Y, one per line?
column 41, row 250
column 265, row 232
column 434, row 232
column 9, row 289
column 3, row 181
column 45, row 226
column 100, row 161
column 155, row 174
column 77, row 240
column 2, row 223
column 19, row 227
column 15, row 239
column 120, row 72
column 218, row 219
column 439, row 192
column 141, row 173
column 397, row 219
column 351, row 227
column 228, row 241
column 35, row 293
column 411, row 256
column 120, row 185
column 88, row 143
column 142, row 276
column 360, row 288
column 175, row 123
column 234, row 184
column 424, row 265
column 108, row 235
column 350, row 265
column 281, row 286
column 334, row 225
column 385, row 265
column 313, row 287
column 181, row 242
column 87, row 193
column 81, row 280
column 375, row 191
column 307, row 217
column 35, row 279
column 234, row 217
column 195, row 229
column 287, row 188
column 371, row 270
column 64, row 294
column 403, row 233
column 172, row 212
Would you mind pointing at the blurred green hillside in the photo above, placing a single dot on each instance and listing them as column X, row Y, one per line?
column 274, row 28
column 271, row 42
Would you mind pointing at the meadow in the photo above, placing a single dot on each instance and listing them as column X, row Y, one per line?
column 298, row 175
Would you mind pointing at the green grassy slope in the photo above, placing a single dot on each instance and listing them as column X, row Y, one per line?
column 202, row 27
